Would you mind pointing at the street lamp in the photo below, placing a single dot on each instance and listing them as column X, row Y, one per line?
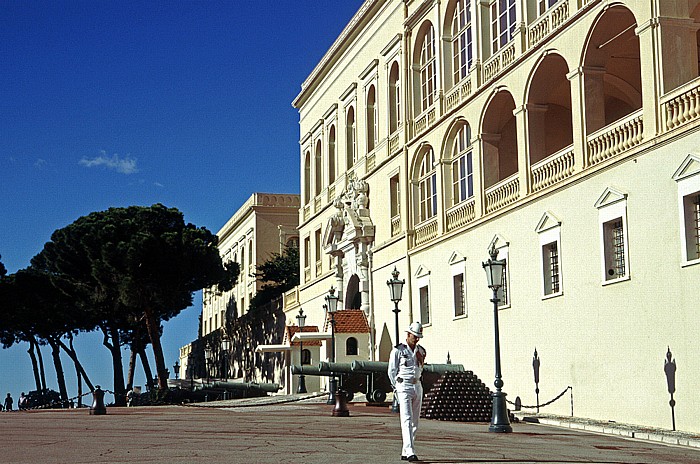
column 176, row 369
column 225, row 344
column 332, row 307
column 395, row 289
column 494, row 276
column 301, row 320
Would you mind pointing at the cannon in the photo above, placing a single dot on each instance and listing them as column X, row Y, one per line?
column 371, row 377
column 238, row 386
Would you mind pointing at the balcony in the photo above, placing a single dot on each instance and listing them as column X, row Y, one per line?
column 319, row 268
column 681, row 106
column 395, row 225
column 459, row 93
column 548, row 22
column 615, row 138
column 291, row 298
column 503, row 193
column 499, row 61
column 461, row 214
column 371, row 162
column 306, row 213
column 425, row 120
column 394, row 143
column 552, row 169
column 426, row 231
column 307, row 274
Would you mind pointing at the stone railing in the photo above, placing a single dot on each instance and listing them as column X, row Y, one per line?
column 497, row 62
column 459, row 93
column 552, row 169
column 371, row 161
column 461, row 214
column 291, row 298
column 426, row 231
column 548, row 22
column 425, row 120
column 614, row 139
column 307, row 212
column 680, row 106
column 395, row 225
column 502, row 194
column 393, row 143
column 319, row 268
column 317, row 204
column 307, row 274
column 331, row 193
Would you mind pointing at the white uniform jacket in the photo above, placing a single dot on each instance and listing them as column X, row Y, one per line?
column 406, row 364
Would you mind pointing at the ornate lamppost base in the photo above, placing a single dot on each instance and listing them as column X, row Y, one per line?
column 302, row 384
column 332, row 388
column 499, row 420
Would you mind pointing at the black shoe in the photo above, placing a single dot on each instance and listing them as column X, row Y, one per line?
column 404, row 458
column 412, row 458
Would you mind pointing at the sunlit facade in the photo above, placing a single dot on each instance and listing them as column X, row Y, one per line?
column 563, row 133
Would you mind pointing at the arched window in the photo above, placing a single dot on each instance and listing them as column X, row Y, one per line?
column 462, row 167
column 427, row 186
column 350, row 138
column 331, row 155
column 307, row 177
column 351, row 346
column 461, row 40
column 317, row 168
column 305, row 357
column 394, row 98
column 426, row 65
column 371, row 119
column 502, row 23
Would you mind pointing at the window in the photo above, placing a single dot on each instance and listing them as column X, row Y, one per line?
column 462, row 170
column 688, row 179
column 549, row 230
column 305, row 357
column 424, row 305
column 612, row 206
column 317, row 238
column 427, row 187
column 317, row 168
column 350, row 138
column 371, row 119
column 395, row 196
column 351, row 348
column 544, row 5
column 331, row 155
column 250, row 252
column 461, row 40
column 458, row 293
column 394, row 98
column 427, row 69
column 307, row 177
column 307, row 258
column 502, row 23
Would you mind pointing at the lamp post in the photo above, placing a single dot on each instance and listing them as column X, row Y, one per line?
column 301, row 321
column 332, row 307
column 225, row 344
column 395, row 289
column 176, row 369
column 494, row 276
column 207, row 358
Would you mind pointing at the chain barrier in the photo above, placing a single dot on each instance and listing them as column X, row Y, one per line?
column 543, row 404
column 54, row 403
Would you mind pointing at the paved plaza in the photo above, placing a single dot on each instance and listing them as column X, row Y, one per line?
column 264, row 431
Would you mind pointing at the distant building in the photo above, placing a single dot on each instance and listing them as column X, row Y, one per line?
column 565, row 134
column 265, row 224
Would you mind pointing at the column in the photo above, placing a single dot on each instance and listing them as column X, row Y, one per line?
column 578, row 118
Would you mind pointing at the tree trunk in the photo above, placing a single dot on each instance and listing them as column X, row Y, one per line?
column 56, row 355
column 146, row 368
column 42, row 372
column 35, row 367
column 74, row 357
column 132, row 368
column 79, row 378
column 118, row 369
column 153, row 326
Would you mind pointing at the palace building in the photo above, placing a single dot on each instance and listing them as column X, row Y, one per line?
column 562, row 133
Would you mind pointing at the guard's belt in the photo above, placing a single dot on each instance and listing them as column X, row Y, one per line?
column 411, row 380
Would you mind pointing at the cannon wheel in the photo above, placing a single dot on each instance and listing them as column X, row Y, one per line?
column 349, row 396
column 379, row 396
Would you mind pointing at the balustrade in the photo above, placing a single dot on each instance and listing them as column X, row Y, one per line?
column 461, row 214
column 548, row 22
column 614, row 139
column 426, row 231
column 681, row 105
column 502, row 194
column 459, row 93
column 499, row 61
column 425, row 120
column 395, row 225
column 393, row 143
column 552, row 169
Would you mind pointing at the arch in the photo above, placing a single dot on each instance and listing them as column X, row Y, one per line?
column 352, row 293
column 351, row 347
column 371, row 118
column 307, row 177
column 425, row 68
column 424, row 181
column 350, row 138
column 549, row 116
column 611, row 68
column 499, row 138
column 458, row 46
column 394, row 98
column 305, row 357
column 457, row 151
column 331, row 155
column 318, row 169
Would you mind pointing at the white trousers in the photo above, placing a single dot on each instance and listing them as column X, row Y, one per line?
column 410, row 397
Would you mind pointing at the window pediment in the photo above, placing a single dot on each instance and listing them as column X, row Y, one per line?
column 609, row 197
column 422, row 271
column 548, row 221
column 688, row 168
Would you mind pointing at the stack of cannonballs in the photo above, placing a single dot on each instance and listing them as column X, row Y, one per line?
column 458, row 396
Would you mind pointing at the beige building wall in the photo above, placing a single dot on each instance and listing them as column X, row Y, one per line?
column 582, row 120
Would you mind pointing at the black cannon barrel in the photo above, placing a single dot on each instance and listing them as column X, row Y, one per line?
column 442, row 368
column 338, row 368
column 266, row 387
column 307, row 370
column 378, row 366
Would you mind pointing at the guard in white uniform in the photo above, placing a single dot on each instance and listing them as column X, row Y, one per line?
column 405, row 369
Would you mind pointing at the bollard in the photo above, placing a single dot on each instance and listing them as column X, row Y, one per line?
column 341, row 404
column 98, row 402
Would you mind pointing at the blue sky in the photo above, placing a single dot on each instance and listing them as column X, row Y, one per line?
column 118, row 103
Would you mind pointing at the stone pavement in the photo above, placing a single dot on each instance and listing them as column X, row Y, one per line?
column 299, row 429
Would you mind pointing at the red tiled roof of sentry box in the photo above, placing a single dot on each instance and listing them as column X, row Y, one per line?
column 348, row 321
column 292, row 329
